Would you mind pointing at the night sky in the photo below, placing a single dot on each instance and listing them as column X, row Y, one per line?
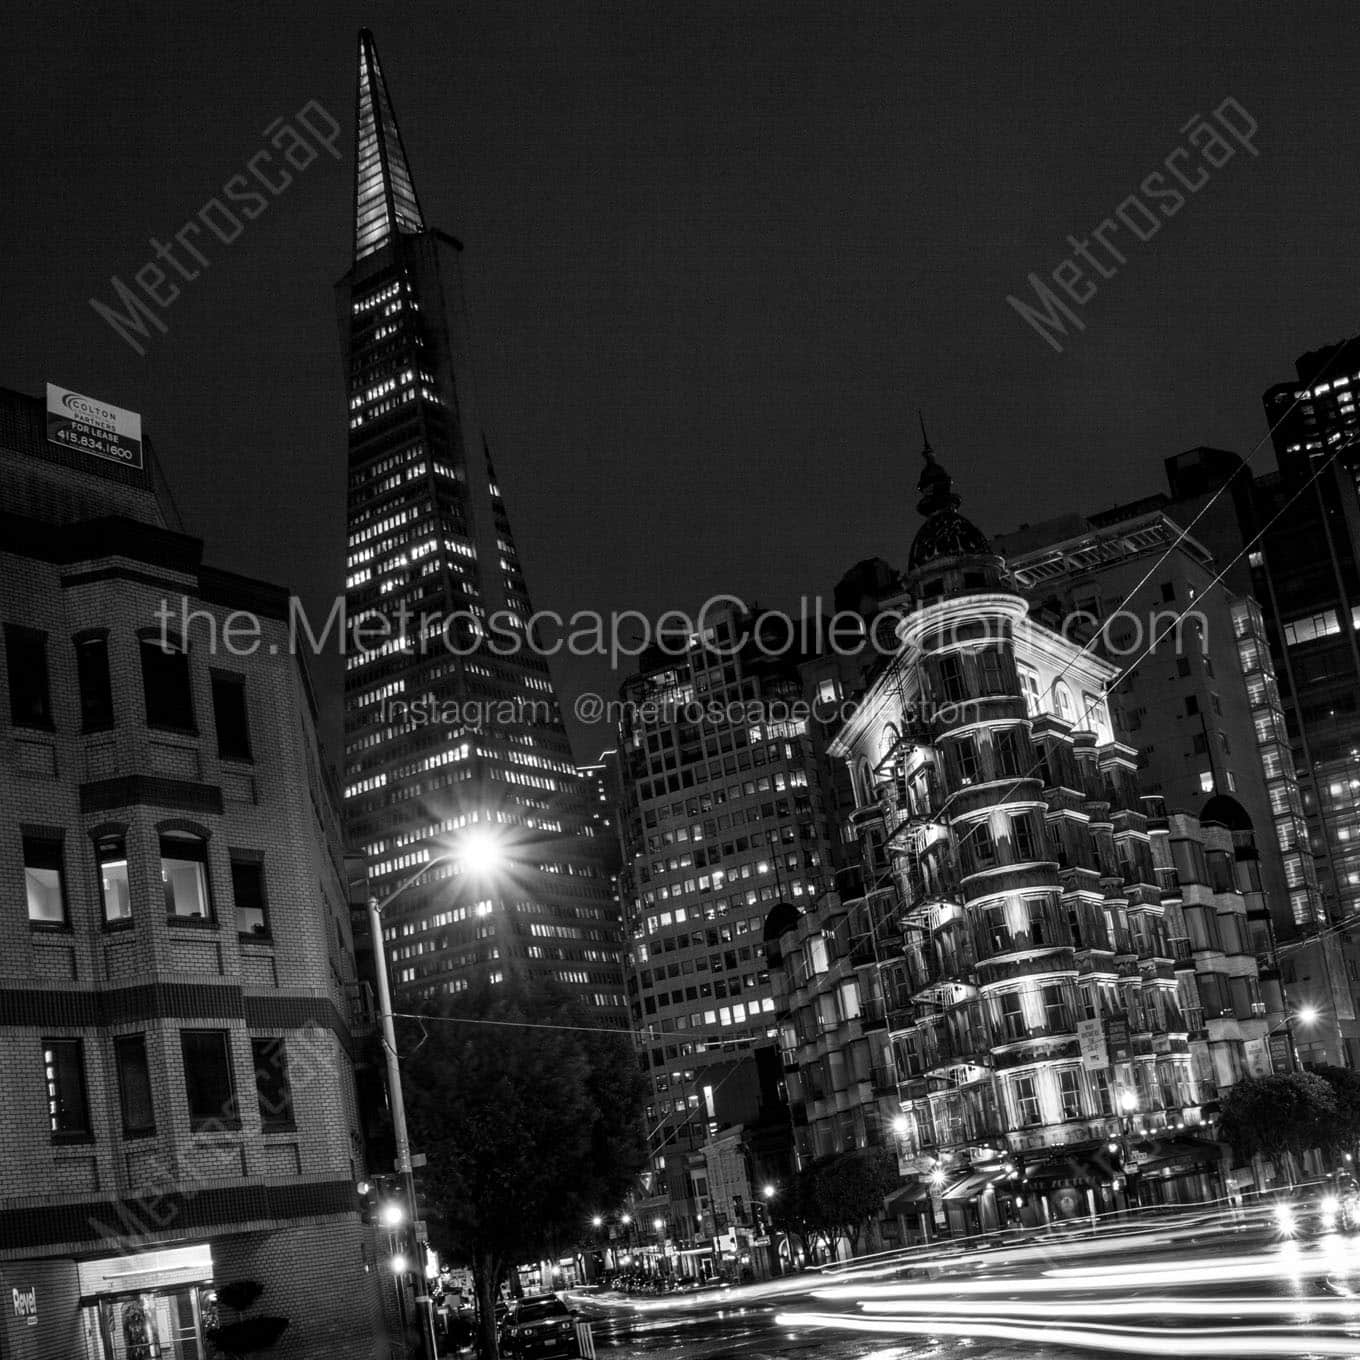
column 717, row 254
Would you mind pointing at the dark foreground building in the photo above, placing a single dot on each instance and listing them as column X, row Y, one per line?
column 452, row 732
column 175, row 958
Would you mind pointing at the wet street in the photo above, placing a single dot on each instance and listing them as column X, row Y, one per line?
column 1203, row 1288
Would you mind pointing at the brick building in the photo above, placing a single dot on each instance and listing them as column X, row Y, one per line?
column 176, row 960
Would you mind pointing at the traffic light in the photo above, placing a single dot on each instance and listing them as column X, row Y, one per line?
column 382, row 1202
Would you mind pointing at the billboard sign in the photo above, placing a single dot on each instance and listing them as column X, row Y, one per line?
column 1095, row 1056
column 1256, row 1052
column 87, row 425
column 1280, row 1057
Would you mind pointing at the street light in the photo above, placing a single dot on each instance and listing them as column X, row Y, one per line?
column 480, row 850
column 900, row 1125
column 768, row 1192
column 597, row 1222
column 1128, row 1107
column 1307, row 1015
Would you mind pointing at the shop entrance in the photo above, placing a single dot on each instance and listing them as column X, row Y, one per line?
column 163, row 1324
column 152, row 1306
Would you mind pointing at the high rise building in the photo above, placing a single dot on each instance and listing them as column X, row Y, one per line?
column 1308, row 566
column 176, row 972
column 728, row 806
column 1032, row 1000
column 451, row 722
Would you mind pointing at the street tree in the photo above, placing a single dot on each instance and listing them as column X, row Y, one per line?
column 1344, row 1130
column 1279, row 1116
column 848, row 1190
column 790, row 1213
column 833, row 1198
column 530, row 1120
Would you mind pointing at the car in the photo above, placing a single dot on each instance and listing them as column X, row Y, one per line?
column 1328, row 1208
column 539, row 1324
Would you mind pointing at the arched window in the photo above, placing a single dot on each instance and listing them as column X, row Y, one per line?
column 1062, row 701
column 864, row 784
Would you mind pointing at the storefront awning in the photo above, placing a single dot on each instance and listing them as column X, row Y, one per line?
column 908, row 1197
column 1177, row 1154
column 970, row 1187
column 1087, row 1164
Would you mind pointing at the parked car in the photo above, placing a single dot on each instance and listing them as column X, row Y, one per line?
column 540, row 1324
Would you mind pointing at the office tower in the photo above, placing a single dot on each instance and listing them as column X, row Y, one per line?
column 452, row 733
column 1308, row 567
column 1032, row 1002
column 728, row 807
column 176, row 971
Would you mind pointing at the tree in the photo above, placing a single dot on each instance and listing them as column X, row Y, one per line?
column 531, row 1121
column 1281, row 1115
column 1343, row 1134
column 789, row 1213
column 849, row 1188
column 834, row 1197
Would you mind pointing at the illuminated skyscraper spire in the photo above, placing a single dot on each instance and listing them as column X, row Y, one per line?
column 385, row 199
column 451, row 726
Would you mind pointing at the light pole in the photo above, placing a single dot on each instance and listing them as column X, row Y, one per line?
column 483, row 852
column 1307, row 1015
column 1128, row 1107
column 659, row 1228
column 768, row 1193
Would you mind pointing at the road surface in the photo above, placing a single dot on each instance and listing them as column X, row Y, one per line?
column 1206, row 1285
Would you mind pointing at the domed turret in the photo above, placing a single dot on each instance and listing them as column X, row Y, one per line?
column 948, row 537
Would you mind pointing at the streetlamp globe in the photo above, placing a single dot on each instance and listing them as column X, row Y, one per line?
column 597, row 1222
column 899, row 1125
column 1308, row 1015
column 480, row 851
column 768, row 1192
column 658, row 1224
column 398, row 1264
column 393, row 1215
column 626, row 1219
column 1128, row 1101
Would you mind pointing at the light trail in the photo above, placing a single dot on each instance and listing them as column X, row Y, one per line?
column 1285, row 1342
column 1154, row 1306
column 1062, row 1279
